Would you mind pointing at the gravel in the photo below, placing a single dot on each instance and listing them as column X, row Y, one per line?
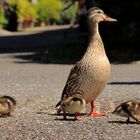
column 37, row 88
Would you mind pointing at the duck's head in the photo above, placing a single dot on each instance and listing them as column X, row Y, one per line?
column 97, row 15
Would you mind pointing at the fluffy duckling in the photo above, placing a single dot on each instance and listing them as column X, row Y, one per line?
column 129, row 109
column 91, row 73
column 74, row 104
column 7, row 104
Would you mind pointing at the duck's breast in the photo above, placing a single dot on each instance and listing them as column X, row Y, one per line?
column 96, row 79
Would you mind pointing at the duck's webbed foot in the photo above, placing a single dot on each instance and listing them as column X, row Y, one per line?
column 93, row 113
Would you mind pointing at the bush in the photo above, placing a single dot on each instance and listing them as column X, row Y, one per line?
column 49, row 9
column 3, row 20
column 26, row 10
column 69, row 15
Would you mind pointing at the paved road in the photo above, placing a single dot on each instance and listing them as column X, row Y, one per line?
column 37, row 88
column 38, row 39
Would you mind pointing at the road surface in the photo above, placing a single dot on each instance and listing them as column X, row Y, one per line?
column 37, row 88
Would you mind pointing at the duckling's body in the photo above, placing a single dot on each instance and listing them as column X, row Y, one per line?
column 129, row 109
column 74, row 104
column 7, row 104
column 91, row 73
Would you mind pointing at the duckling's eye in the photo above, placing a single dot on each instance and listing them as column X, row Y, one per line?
column 99, row 11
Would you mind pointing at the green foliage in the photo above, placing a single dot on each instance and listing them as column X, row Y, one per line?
column 70, row 13
column 3, row 21
column 25, row 10
column 49, row 9
column 12, row 2
column 44, row 10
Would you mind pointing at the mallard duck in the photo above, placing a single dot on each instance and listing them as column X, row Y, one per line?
column 128, row 109
column 91, row 73
column 7, row 105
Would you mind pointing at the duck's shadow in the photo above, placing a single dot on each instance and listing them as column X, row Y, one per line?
column 62, row 119
column 70, row 117
column 67, row 114
column 123, row 122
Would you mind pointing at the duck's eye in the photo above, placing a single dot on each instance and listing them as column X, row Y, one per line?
column 99, row 12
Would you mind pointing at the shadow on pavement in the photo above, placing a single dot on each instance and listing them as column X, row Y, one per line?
column 125, row 83
column 63, row 46
column 69, row 119
column 68, row 116
column 39, row 41
column 123, row 122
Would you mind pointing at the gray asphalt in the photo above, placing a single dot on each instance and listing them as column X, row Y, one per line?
column 37, row 88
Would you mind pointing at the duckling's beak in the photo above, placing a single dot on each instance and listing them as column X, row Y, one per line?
column 109, row 19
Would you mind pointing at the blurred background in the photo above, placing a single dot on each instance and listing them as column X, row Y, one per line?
column 67, row 19
column 16, row 15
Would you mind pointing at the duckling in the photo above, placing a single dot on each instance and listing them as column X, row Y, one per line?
column 7, row 104
column 74, row 104
column 91, row 73
column 129, row 109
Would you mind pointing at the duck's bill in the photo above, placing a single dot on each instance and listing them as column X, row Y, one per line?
column 109, row 19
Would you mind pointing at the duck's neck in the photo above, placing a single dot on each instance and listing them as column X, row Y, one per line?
column 93, row 30
column 95, row 47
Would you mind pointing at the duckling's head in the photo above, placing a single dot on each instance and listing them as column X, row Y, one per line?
column 121, row 111
column 9, row 99
column 97, row 15
column 127, row 108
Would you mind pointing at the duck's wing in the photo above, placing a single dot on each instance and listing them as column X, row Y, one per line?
column 73, row 82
